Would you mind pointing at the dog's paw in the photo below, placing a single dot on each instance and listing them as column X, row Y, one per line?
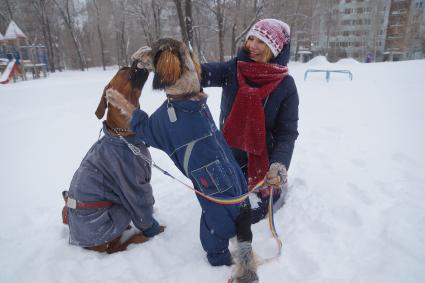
column 162, row 228
column 137, row 239
column 117, row 100
column 114, row 97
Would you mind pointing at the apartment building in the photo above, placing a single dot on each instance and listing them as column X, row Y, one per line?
column 351, row 28
column 396, row 42
column 416, row 40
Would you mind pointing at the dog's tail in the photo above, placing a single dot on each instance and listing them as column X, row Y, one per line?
column 246, row 264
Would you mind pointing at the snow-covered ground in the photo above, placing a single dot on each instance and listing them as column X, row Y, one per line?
column 355, row 210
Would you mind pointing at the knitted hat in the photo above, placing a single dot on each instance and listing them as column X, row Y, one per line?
column 272, row 32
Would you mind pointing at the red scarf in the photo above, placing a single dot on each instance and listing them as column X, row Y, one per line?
column 245, row 127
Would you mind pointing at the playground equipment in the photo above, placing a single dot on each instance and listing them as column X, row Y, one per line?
column 8, row 72
column 17, row 57
column 328, row 73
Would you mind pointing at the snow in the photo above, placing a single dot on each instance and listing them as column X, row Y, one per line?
column 347, row 61
column 355, row 208
column 13, row 31
column 319, row 61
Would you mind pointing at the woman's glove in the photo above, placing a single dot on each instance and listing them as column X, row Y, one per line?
column 275, row 178
column 143, row 58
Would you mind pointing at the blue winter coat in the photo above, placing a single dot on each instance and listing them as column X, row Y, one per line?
column 280, row 108
column 110, row 172
column 199, row 151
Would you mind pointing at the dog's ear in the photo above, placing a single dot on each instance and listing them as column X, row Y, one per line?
column 168, row 69
column 103, row 104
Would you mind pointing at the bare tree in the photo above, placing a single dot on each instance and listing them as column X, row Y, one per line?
column 9, row 8
column 65, row 8
column 147, row 14
column 219, row 13
column 41, row 7
column 120, row 35
column 240, row 29
column 98, row 10
column 156, row 11
column 330, row 16
column 189, row 21
column 3, row 16
column 180, row 14
column 217, row 8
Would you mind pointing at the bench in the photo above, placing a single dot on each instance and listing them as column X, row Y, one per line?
column 328, row 73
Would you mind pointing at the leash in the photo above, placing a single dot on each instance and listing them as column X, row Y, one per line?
column 272, row 227
column 226, row 201
column 219, row 200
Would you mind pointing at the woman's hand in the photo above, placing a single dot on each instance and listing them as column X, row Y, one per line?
column 276, row 176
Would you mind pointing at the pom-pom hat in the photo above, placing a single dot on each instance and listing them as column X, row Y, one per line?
column 274, row 33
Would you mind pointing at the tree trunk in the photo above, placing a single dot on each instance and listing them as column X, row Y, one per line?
column 99, row 33
column 40, row 7
column 189, row 22
column 145, row 22
column 156, row 9
column 258, row 10
column 9, row 9
column 294, row 32
column 50, row 49
column 220, row 24
column 64, row 11
column 182, row 21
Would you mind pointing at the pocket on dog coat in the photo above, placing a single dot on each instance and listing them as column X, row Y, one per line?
column 212, row 179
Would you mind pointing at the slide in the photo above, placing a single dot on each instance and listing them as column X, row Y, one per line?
column 11, row 66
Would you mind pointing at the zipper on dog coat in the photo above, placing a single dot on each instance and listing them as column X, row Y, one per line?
column 75, row 204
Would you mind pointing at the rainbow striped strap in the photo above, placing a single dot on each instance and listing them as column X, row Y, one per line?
column 229, row 200
column 271, row 222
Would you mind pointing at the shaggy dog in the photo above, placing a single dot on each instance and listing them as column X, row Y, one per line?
column 184, row 129
column 105, row 195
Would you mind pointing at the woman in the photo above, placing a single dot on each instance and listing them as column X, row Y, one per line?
column 259, row 108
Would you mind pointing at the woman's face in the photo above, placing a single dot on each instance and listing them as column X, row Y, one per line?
column 256, row 48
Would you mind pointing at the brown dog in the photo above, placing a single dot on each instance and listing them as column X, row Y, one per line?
column 129, row 82
column 105, row 195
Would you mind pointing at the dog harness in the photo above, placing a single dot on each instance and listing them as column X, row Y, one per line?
column 75, row 204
